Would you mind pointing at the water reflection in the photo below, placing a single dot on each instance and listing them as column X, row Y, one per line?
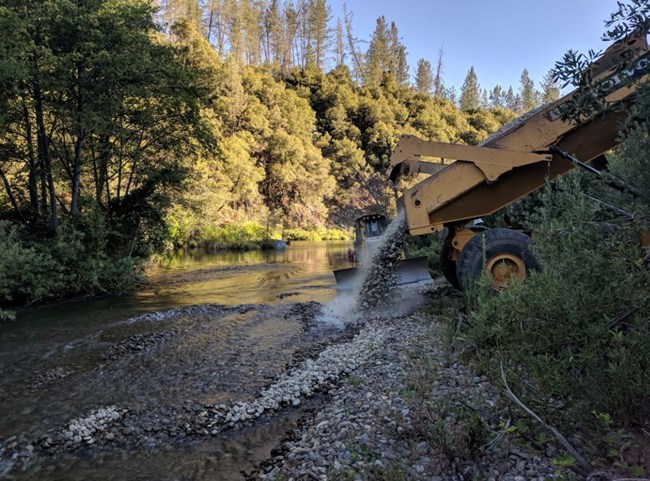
column 41, row 337
column 199, row 276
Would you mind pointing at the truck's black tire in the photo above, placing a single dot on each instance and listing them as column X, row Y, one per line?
column 447, row 266
column 507, row 254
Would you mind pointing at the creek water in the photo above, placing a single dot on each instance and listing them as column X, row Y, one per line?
column 215, row 328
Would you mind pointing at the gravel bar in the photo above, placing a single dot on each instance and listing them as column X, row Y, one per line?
column 407, row 410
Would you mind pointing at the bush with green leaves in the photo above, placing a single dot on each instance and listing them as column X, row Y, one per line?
column 37, row 268
column 578, row 329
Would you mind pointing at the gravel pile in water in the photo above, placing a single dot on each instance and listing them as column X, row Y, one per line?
column 385, row 424
column 87, row 428
column 137, row 343
column 381, row 276
column 50, row 376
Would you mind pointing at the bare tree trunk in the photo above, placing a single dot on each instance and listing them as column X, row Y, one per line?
column 437, row 82
column 76, row 173
column 10, row 194
column 209, row 34
column 43, row 140
column 44, row 154
column 100, row 166
column 347, row 17
column 33, row 166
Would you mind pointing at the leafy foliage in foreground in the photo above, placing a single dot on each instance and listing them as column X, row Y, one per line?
column 578, row 328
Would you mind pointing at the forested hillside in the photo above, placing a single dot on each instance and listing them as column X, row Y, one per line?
column 127, row 128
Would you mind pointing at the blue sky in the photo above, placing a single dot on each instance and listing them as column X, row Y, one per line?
column 498, row 37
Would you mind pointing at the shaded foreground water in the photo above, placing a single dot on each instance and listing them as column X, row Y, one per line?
column 162, row 362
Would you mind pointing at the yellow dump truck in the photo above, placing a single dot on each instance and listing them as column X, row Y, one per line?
column 468, row 182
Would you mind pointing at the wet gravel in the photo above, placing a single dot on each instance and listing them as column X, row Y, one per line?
column 137, row 343
column 50, row 376
column 387, row 418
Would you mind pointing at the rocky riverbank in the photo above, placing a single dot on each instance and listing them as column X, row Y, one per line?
column 409, row 410
column 384, row 399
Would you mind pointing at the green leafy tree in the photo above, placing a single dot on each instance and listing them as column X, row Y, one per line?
column 578, row 328
column 100, row 124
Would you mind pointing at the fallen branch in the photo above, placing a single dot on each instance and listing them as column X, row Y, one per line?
column 623, row 317
column 631, row 479
column 570, row 449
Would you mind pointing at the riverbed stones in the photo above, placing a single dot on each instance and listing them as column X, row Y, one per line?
column 373, row 424
column 84, row 429
column 50, row 376
column 136, row 344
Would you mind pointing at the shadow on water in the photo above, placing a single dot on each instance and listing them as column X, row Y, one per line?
column 62, row 361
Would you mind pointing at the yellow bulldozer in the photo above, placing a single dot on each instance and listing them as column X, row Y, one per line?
column 469, row 182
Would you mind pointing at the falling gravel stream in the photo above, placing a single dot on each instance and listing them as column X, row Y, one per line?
column 140, row 386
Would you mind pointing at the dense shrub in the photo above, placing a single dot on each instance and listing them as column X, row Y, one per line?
column 234, row 234
column 72, row 262
column 300, row 234
column 578, row 329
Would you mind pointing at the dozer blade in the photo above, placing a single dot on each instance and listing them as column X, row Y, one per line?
column 410, row 271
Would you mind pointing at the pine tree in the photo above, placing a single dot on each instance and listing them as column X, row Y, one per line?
column 397, row 63
column 272, row 32
column 234, row 29
column 252, row 32
column 485, row 99
column 291, row 41
column 377, row 56
column 437, row 81
column 512, row 101
column 450, row 94
column 216, row 25
column 320, row 15
column 528, row 93
column 550, row 89
column 424, row 80
column 497, row 97
column 470, row 92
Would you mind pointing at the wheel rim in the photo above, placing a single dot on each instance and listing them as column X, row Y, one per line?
column 502, row 268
